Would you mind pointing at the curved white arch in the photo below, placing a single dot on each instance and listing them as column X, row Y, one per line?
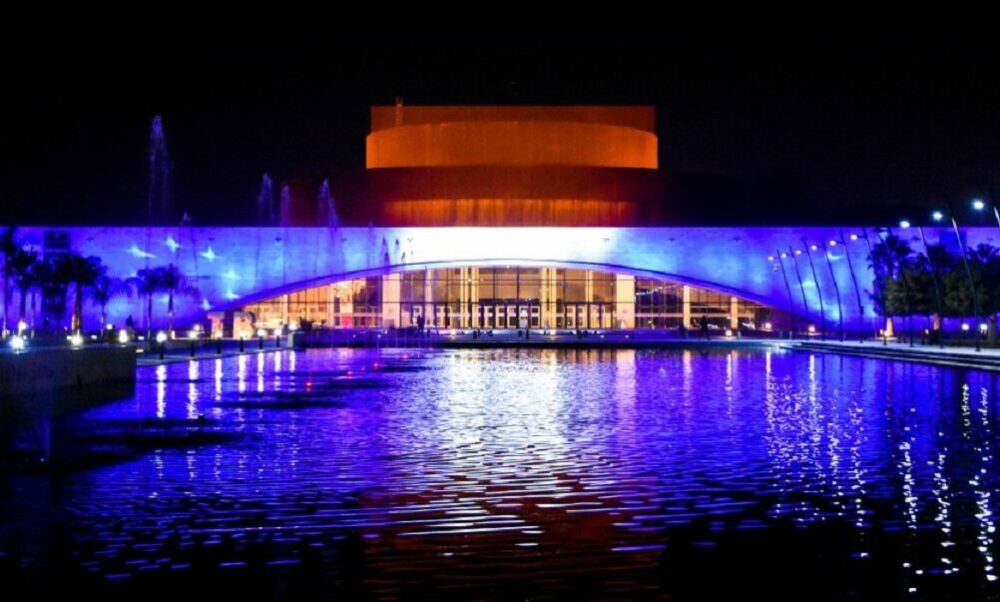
column 505, row 261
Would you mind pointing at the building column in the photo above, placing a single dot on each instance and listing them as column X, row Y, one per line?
column 390, row 300
column 734, row 313
column 686, row 306
column 547, row 297
column 347, row 304
column 429, row 318
column 588, row 296
column 331, row 295
column 624, row 301
column 474, row 297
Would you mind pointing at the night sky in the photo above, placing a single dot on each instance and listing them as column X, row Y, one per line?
column 813, row 128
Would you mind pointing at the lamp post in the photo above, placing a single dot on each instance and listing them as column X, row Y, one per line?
column 788, row 288
column 836, row 289
column 792, row 253
column 819, row 291
column 857, row 289
column 938, row 216
column 980, row 205
column 934, row 278
column 881, row 289
column 907, row 289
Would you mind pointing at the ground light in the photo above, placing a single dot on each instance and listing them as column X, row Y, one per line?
column 75, row 340
column 17, row 343
column 123, row 336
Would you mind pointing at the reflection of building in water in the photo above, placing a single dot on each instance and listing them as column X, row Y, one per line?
column 509, row 297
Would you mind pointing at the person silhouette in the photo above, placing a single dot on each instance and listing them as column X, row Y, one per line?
column 704, row 327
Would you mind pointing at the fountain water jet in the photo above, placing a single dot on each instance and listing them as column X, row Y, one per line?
column 158, row 193
column 326, row 212
column 265, row 202
column 286, row 206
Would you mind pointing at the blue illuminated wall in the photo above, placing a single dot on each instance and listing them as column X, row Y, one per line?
column 235, row 266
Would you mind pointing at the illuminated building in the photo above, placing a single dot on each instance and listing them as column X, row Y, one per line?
column 496, row 217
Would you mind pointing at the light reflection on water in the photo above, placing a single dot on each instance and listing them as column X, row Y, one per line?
column 514, row 473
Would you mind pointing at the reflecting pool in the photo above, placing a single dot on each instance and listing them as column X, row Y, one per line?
column 520, row 474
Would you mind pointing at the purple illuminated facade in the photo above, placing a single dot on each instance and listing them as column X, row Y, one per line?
column 467, row 194
column 235, row 267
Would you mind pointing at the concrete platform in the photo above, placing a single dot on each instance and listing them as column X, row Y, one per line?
column 49, row 369
column 955, row 357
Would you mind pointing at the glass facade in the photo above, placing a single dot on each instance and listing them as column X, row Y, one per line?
column 501, row 297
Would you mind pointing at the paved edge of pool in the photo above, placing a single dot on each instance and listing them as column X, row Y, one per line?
column 961, row 357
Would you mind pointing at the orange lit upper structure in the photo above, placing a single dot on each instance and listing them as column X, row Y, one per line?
column 512, row 165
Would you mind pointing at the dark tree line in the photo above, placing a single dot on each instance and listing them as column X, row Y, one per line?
column 44, row 286
column 935, row 283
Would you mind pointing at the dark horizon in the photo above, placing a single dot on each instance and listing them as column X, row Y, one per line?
column 781, row 131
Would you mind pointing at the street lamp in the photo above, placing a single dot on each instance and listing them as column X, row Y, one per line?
column 798, row 275
column 857, row 289
column 874, row 266
column 836, row 287
column 980, row 205
column 965, row 261
column 819, row 291
column 907, row 289
column 936, row 216
column 788, row 289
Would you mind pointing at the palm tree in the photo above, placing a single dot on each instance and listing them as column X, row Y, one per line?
column 107, row 288
column 82, row 272
column 53, row 280
column 8, row 250
column 25, row 268
column 887, row 260
column 147, row 282
column 985, row 260
column 175, row 283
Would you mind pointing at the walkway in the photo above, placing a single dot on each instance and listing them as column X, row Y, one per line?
column 958, row 357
